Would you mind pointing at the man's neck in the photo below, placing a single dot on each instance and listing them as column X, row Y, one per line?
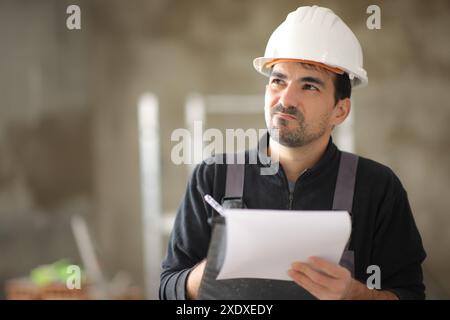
column 296, row 160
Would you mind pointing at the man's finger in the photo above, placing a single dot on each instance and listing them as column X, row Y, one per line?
column 304, row 281
column 316, row 276
column 331, row 269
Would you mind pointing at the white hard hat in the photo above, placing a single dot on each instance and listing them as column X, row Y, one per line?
column 315, row 35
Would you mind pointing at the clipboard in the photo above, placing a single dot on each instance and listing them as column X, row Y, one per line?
column 245, row 288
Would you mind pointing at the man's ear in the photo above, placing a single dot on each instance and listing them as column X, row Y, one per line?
column 341, row 111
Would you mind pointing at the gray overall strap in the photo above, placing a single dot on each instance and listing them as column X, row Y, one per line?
column 343, row 200
column 234, row 187
column 345, row 183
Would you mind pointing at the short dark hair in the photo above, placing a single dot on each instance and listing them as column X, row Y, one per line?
column 342, row 87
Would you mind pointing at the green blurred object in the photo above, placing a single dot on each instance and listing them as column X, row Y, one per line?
column 50, row 273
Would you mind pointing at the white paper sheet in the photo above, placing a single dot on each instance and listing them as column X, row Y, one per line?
column 264, row 243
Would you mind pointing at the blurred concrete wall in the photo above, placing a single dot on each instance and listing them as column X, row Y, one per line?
column 402, row 117
column 45, row 136
column 69, row 138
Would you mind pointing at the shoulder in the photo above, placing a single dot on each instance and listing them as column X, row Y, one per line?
column 210, row 171
column 377, row 177
column 371, row 168
column 218, row 162
column 380, row 193
column 377, row 180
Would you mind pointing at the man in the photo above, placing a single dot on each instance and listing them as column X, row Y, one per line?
column 313, row 60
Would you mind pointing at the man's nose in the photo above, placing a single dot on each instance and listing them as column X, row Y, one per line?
column 289, row 96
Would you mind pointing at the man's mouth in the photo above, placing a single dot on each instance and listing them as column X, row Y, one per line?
column 285, row 116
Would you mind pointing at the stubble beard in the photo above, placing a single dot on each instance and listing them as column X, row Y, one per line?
column 283, row 131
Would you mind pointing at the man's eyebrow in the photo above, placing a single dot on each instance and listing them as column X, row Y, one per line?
column 313, row 80
column 279, row 75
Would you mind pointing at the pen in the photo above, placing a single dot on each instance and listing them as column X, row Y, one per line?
column 213, row 203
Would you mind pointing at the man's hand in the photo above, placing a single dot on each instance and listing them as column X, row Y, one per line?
column 330, row 281
column 194, row 279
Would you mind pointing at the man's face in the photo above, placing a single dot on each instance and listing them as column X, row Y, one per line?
column 299, row 102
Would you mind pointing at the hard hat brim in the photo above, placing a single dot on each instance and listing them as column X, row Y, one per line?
column 263, row 65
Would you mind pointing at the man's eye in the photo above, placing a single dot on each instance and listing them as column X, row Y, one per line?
column 276, row 82
column 310, row 87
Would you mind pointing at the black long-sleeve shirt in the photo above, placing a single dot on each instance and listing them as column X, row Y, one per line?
column 383, row 229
